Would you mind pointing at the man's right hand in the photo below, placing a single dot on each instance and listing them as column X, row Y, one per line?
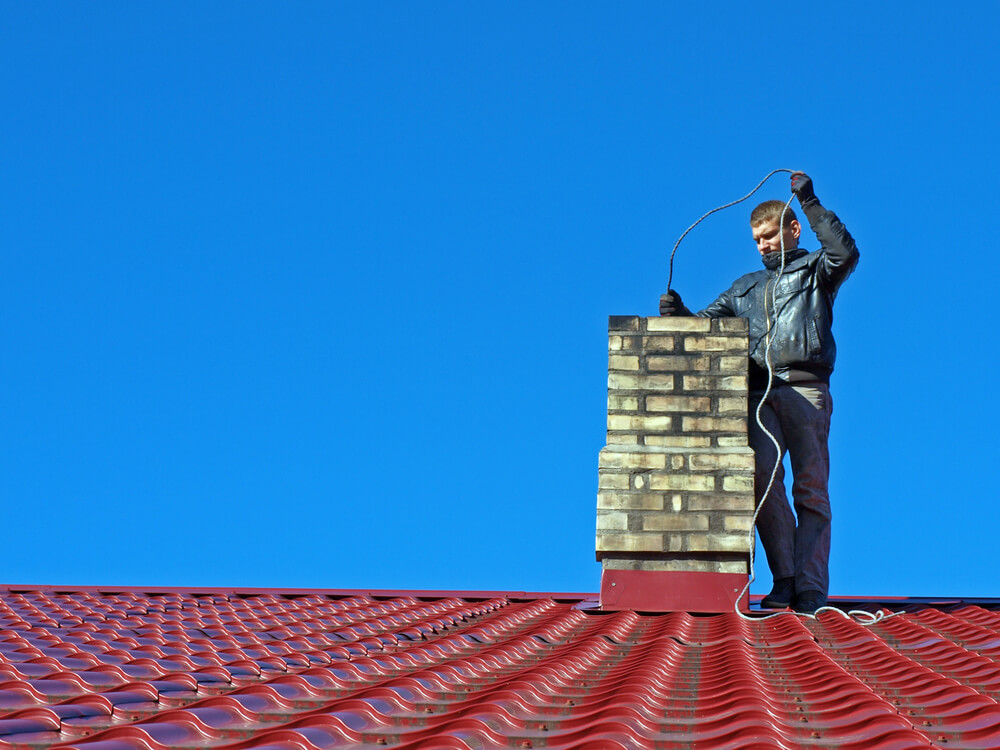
column 671, row 304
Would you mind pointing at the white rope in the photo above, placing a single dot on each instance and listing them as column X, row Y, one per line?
column 773, row 285
column 862, row 617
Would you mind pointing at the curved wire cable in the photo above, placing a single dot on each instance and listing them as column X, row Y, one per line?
column 670, row 277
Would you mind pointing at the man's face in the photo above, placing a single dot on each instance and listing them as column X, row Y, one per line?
column 768, row 238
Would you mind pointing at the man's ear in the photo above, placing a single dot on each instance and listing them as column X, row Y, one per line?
column 796, row 228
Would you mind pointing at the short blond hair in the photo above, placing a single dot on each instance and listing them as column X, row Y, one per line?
column 771, row 210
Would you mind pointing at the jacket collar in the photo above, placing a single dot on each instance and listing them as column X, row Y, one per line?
column 772, row 261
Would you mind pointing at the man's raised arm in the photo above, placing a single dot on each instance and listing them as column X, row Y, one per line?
column 840, row 254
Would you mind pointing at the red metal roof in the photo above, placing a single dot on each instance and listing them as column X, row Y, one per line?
column 101, row 669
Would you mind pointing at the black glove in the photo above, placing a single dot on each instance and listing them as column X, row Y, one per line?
column 671, row 304
column 802, row 186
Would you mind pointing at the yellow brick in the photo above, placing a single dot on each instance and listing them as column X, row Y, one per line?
column 678, row 363
column 733, row 364
column 733, row 383
column 623, row 362
column 677, row 462
column 629, row 501
column 678, row 325
column 681, row 522
column 630, row 460
column 619, row 343
column 699, row 383
column 715, row 461
column 731, row 505
column 623, row 323
column 737, row 484
column 713, row 344
column 629, row 542
column 676, row 503
column 622, row 439
column 732, row 442
column 734, row 566
column 733, row 325
column 679, row 403
column 737, row 523
column 713, row 424
column 612, row 481
column 733, row 405
column 623, row 403
column 731, row 542
column 658, row 343
column 727, row 566
column 708, row 383
column 612, row 521
column 620, row 382
column 627, row 422
column 682, row 482
column 679, row 441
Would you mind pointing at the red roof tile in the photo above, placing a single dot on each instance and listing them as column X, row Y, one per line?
column 299, row 670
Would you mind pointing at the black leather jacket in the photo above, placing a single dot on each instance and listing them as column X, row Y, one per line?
column 801, row 313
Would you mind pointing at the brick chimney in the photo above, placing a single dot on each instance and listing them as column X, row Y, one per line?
column 675, row 499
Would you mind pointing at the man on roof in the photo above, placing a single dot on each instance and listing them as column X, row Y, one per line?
column 790, row 313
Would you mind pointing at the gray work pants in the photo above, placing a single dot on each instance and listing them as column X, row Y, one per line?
column 799, row 417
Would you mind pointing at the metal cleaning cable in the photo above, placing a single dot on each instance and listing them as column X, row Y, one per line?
column 670, row 276
column 863, row 617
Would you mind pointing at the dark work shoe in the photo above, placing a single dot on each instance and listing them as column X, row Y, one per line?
column 809, row 601
column 781, row 594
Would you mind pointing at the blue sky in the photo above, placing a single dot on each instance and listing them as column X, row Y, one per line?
column 316, row 294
